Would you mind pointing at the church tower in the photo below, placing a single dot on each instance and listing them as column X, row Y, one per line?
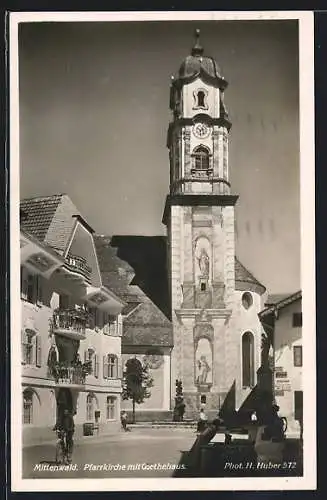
column 199, row 214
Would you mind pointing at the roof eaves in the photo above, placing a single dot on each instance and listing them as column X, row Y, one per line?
column 43, row 245
column 281, row 304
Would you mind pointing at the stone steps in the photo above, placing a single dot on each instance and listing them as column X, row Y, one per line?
column 164, row 425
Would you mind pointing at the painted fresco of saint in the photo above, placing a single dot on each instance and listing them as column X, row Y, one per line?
column 203, row 362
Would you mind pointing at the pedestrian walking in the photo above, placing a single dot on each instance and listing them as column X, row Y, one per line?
column 254, row 417
column 123, row 419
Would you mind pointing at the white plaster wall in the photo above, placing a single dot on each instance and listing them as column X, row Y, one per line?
column 188, row 99
column 246, row 320
column 44, row 403
column 285, row 338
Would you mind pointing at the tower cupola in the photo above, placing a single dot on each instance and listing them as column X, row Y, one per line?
column 198, row 134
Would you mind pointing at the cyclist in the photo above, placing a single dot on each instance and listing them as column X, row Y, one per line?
column 66, row 428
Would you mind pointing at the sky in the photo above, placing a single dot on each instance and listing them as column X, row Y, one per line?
column 94, row 114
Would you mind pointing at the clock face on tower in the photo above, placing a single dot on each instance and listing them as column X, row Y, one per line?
column 201, row 130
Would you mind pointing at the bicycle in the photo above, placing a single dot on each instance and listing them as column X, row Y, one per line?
column 62, row 454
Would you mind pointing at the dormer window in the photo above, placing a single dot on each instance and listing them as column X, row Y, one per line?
column 201, row 157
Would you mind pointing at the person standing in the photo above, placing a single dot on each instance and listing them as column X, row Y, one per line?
column 123, row 419
column 202, row 422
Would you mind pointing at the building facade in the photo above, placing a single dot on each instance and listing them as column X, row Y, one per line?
column 215, row 301
column 71, row 323
column 282, row 321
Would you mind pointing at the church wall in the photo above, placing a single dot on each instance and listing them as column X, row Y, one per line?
column 245, row 320
column 178, row 254
column 160, row 392
column 229, row 274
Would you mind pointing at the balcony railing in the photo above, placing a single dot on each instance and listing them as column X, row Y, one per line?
column 69, row 374
column 202, row 173
column 78, row 264
column 70, row 322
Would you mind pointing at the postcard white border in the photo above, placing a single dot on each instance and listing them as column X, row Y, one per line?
column 307, row 171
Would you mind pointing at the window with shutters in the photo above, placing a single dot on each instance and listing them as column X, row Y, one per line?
column 110, row 366
column 27, row 349
column 30, row 287
column 110, row 325
column 38, row 359
column 90, row 406
column 96, row 366
column 91, row 355
column 111, row 408
column 31, row 349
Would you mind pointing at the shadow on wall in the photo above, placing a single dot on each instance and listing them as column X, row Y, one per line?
column 147, row 255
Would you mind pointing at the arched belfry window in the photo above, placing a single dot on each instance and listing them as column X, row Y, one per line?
column 201, row 96
column 247, row 360
column 200, row 99
column 201, row 157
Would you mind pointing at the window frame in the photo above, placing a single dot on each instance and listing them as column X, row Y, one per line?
column 30, row 287
column 112, row 366
column 248, row 384
column 111, row 408
column 205, row 94
column 31, row 349
column 297, row 320
column 28, row 405
column 297, row 356
column 90, row 398
column 201, row 157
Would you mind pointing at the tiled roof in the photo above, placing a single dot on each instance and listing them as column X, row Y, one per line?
column 51, row 219
column 135, row 265
column 243, row 278
column 147, row 335
column 280, row 304
column 147, row 325
column 144, row 323
column 274, row 298
column 38, row 214
column 116, row 273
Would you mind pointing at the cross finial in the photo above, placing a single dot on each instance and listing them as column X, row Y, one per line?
column 197, row 49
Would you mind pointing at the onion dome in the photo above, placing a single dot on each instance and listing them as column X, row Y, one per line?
column 197, row 65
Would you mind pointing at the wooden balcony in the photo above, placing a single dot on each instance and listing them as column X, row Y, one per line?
column 70, row 322
column 78, row 266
